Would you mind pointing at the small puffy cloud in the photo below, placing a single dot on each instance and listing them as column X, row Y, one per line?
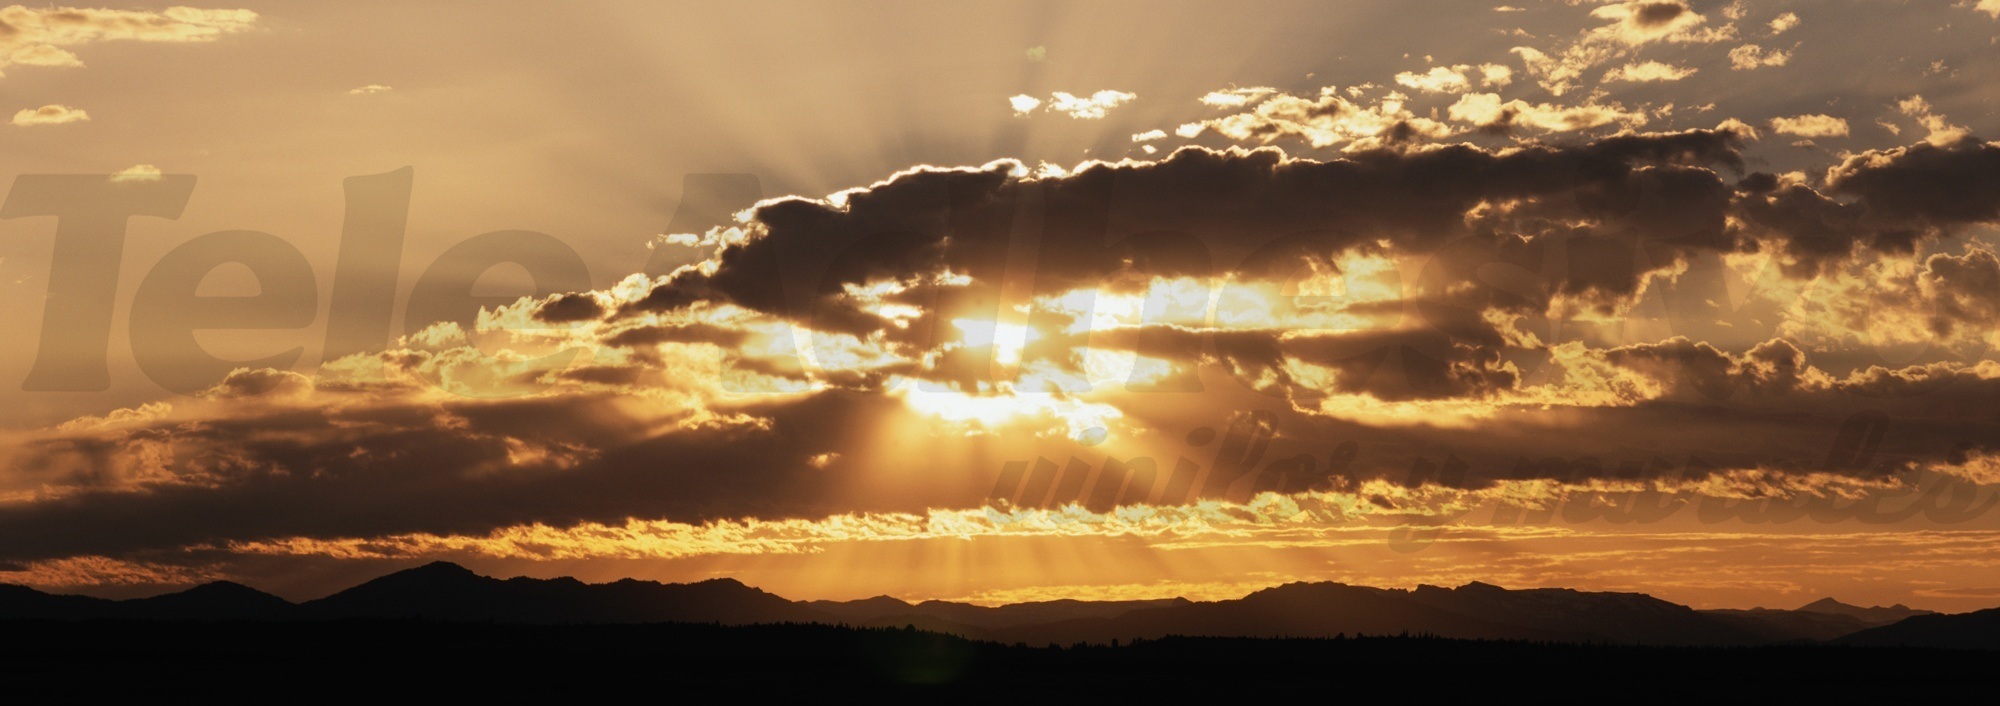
column 1941, row 131
column 38, row 36
column 1091, row 107
column 1327, row 120
column 1631, row 25
column 1648, row 71
column 42, row 55
column 51, row 114
column 1455, row 79
column 1750, row 56
column 1236, row 97
column 1785, row 22
column 1637, row 23
column 1990, row 7
column 369, row 89
column 1740, row 128
column 137, row 172
column 1440, row 79
column 1814, row 125
column 248, row 383
column 1150, row 135
column 1486, row 110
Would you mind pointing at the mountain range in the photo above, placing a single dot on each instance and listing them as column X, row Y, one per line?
column 450, row 593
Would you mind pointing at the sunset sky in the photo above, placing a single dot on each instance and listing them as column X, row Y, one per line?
column 1009, row 302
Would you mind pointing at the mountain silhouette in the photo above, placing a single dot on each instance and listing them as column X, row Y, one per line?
column 221, row 600
column 443, row 592
column 1474, row 611
column 1979, row 630
column 1291, row 610
column 446, row 591
column 966, row 618
column 1824, row 619
column 1873, row 614
column 23, row 603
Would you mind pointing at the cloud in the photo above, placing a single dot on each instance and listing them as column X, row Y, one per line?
column 1236, row 97
column 1486, row 110
column 1091, row 107
column 1880, row 202
column 1953, row 300
column 1495, row 75
column 1648, row 71
column 796, row 385
column 1813, row 125
column 1440, row 79
column 1453, row 79
column 1784, row 23
column 1694, row 370
column 1631, row 25
column 370, row 89
column 1990, row 7
column 40, row 36
column 137, row 172
column 1940, row 186
column 1328, row 120
column 1637, row 23
column 52, row 114
column 1412, row 201
column 1941, row 131
column 1751, row 56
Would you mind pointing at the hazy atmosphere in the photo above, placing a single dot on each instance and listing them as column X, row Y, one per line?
column 1008, row 302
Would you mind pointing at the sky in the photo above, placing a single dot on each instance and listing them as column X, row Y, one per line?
column 1010, row 301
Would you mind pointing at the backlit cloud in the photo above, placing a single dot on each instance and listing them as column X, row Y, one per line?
column 1648, row 71
column 52, row 114
column 137, row 172
column 1751, row 56
column 1813, row 125
column 1498, row 296
column 45, row 36
column 1090, row 107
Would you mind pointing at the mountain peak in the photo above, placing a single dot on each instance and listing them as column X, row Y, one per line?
column 1829, row 605
column 437, row 574
column 1875, row 614
column 225, row 590
column 436, row 571
column 442, row 568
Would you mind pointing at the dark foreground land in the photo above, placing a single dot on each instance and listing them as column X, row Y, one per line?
column 281, row 662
